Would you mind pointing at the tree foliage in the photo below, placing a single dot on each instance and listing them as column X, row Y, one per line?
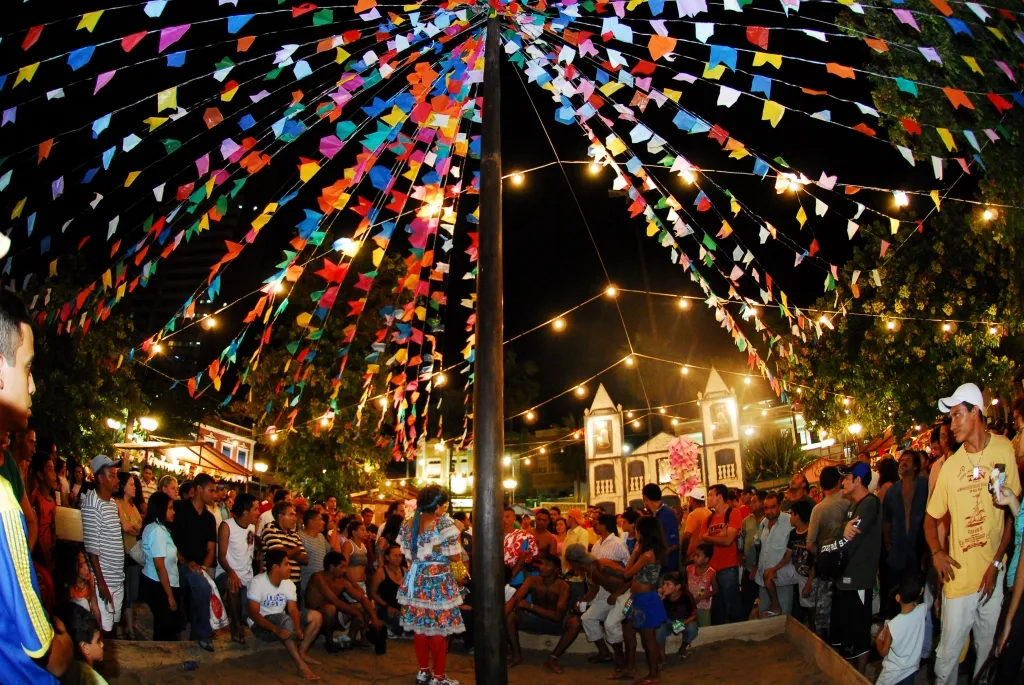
column 962, row 267
column 79, row 382
column 771, row 456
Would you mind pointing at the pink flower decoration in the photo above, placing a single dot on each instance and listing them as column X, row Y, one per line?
column 683, row 461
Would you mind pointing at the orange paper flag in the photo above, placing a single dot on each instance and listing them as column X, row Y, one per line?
column 958, row 98
column 661, row 46
column 840, row 70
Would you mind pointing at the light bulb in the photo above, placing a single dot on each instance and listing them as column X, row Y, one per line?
column 558, row 324
column 685, row 370
column 506, row 460
column 157, row 348
column 581, row 391
column 543, row 450
column 611, row 291
column 517, row 179
column 989, row 214
column 746, row 380
column 629, row 414
column 440, row 379
column 629, row 361
column 530, row 416
column 891, row 325
column 278, row 288
column 209, row 322
column 684, row 303
column 661, row 410
column 900, row 198
column 594, row 168
column 688, row 176
column 636, row 423
column 526, row 461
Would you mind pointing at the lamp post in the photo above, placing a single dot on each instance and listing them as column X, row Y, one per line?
column 261, row 468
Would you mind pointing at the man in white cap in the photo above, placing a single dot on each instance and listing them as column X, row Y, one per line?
column 101, row 526
column 695, row 518
column 972, row 569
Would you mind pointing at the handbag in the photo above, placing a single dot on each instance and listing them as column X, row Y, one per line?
column 218, row 616
column 136, row 553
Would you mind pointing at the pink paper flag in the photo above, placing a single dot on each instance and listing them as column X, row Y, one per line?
column 102, row 80
column 203, row 165
column 330, row 145
column 171, row 35
column 1006, row 70
column 906, row 17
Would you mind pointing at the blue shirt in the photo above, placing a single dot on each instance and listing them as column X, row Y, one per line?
column 27, row 633
column 157, row 542
column 670, row 526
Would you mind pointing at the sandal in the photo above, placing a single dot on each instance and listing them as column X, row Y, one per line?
column 621, row 675
column 598, row 659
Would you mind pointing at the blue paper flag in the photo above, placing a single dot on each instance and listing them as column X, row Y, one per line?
column 761, row 84
column 80, row 57
column 236, row 22
column 246, row 122
column 958, row 26
column 721, row 54
column 176, row 59
column 380, row 177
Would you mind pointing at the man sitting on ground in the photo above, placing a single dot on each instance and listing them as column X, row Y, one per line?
column 274, row 612
column 604, row 577
column 324, row 592
column 543, row 615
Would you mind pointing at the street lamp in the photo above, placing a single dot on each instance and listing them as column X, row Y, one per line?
column 114, row 424
column 148, row 424
column 855, row 428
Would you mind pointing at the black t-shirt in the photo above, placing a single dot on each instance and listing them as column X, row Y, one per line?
column 680, row 609
column 801, row 558
column 865, row 550
column 192, row 531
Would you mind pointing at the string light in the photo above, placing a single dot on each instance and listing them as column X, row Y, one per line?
column 558, row 324
column 530, row 416
column 846, row 401
column 273, row 437
column 764, row 412
column 629, row 414
column 746, row 380
column 517, row 179
column 383, row 402
column 157, row 348
column 891, row 325
column 629, row 361
column 995, row 401
column 684, row 303
column 209, row 323
column 594, row 168
column 946, row 327
column 688, row 177
column 440, row 379
column 278, row 288
column 993, row 330
column 526, row 461
column 636, row 424
column 989, row 214
column 900, row 198
column 387, row 484
column 749, row 431
column 543, row 450
column 661, row 410
column 581, row 391
column 685, row 370
column 675, row 422
column 402, row 482
column 506, row 460
column 611, row 291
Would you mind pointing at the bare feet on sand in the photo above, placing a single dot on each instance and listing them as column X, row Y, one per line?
column 310, row 660
column 308, row 674
column 552, row 665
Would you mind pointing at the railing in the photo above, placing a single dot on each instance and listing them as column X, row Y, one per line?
column 636, row 483
column 604, row 487
column 727, row 472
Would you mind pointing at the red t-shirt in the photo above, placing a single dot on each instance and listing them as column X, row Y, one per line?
column 744, row 512
column 728, row 556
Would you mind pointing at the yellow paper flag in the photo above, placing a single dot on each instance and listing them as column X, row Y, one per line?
column 26, row 73
column 609, row 88
column 228, row 95
column 154, row 122
column 88, row 20
column 772, row 112
column 761, row 58
column 672, row 95
column 378, row 255
column 725, row 230
column 120, row 291
column 947, row 138
column 308, row 171
column 108, row 282
column 997, row 33
column 303, row 319
column 715, row 73
column 16, row 212
column 972, row 63
column 131, row 178
column 342, row 55
column 53, row 269
column 935, row 198
column 396, row 117
column 801, row 216
column 167, row 99
column 734, row 206
column 894, row 225
column 652, row 229
column 615, row 145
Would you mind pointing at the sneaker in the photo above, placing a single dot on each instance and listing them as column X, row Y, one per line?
column 443, row 680
column 423, row 678
column 392, row 635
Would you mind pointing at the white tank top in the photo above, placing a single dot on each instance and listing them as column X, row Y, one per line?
column 241, row 542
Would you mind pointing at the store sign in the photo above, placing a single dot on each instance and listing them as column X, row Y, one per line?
column 462, row 502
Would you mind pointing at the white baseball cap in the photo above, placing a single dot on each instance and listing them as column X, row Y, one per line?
column 697, row 493
column 968, row 392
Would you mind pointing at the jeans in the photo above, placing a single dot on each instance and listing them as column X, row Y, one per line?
column 689, row 633
column 198, row 602
column 727, row 606
column 748, row 594
column 165, row 621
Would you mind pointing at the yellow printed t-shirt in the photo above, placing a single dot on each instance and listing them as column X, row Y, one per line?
column 976, row 523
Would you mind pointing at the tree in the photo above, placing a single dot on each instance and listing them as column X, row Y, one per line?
column 571, row 458
column 81, row 379
column 773, row 456
column 962, row 270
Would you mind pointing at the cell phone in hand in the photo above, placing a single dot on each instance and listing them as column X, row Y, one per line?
column 997, row 479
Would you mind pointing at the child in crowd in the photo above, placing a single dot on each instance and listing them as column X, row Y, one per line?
column 85, row 634
column 681, row 609
column 81, row 587
column 796, row 566
column 700, row 580
column 900, row 641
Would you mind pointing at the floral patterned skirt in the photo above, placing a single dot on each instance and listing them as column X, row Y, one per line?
column 430, row 600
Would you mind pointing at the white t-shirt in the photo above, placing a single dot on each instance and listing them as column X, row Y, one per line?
column 272, row 600
column 265, row 518
column 611, row 548
column 904, row 655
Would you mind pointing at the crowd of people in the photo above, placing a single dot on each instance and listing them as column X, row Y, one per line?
column 881, row 558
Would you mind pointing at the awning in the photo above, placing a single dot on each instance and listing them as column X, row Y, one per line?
column 192, row 457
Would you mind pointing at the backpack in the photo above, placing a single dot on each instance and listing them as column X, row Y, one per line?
column 833, row 556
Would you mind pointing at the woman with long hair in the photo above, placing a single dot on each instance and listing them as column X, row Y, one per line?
column 646, row 612
column 131, row 529
column 354, row 551
column 159, row 586
column 76, row 485
column 384, row 588
column 561, row 529
column 429, row 595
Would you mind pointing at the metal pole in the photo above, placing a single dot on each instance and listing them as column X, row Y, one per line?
column 488, row 390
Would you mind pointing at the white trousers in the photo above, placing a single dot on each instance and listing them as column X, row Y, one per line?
column 603, row 621
column 962, row 617
column 110, row 614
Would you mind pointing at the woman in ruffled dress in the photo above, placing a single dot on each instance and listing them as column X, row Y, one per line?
column 429, row 595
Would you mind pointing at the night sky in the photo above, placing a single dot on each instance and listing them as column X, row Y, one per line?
column 552, row 263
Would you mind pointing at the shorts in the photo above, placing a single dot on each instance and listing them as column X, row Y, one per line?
column 110, row 615
column 787, row 575
column 538, row 625
column 282, row 620
column 854, row 623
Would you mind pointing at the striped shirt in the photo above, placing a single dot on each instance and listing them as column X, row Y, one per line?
column 101, row 525
column 316, row 550
column 275, row 538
